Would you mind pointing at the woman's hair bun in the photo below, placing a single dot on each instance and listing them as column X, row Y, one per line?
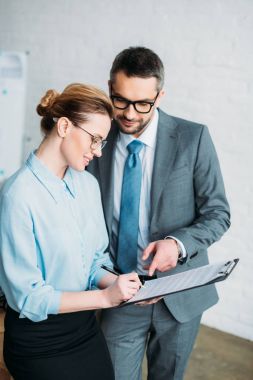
column 47, row 102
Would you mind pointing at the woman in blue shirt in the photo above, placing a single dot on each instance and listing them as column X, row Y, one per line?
column 52, row 243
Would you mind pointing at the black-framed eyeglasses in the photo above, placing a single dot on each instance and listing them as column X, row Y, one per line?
column 140, row 106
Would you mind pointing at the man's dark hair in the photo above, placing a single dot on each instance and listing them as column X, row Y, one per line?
column 138, row 62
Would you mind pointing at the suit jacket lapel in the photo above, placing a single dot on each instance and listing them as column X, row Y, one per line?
column 166, row 149
column 106, row 170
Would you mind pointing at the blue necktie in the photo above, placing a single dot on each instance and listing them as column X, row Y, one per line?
column 129, row 210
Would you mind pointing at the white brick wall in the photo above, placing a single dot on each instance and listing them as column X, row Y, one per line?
column 207, row 50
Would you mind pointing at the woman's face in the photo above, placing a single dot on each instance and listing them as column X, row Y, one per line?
column 82, row 142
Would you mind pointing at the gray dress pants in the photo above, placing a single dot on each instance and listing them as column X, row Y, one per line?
column 132, row 329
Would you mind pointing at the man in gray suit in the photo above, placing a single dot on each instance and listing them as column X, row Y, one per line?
column 182, row 210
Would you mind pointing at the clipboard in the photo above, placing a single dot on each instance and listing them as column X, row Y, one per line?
column 190, row 279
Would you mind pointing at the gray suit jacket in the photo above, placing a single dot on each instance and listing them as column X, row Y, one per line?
column 187, row 200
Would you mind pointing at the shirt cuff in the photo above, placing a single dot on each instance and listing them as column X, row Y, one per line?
column 37, row 307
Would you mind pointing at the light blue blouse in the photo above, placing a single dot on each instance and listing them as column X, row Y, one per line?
column 52, row 238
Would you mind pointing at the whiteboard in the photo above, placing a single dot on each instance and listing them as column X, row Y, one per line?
column 13, row 67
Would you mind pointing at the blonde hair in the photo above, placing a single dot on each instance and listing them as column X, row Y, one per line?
column 76, row 102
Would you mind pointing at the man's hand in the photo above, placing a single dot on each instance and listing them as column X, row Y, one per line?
column 165, row 254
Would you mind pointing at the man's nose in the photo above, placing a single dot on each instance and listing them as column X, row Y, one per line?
column 130, row 112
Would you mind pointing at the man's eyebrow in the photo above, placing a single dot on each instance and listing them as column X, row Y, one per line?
column 140, row 101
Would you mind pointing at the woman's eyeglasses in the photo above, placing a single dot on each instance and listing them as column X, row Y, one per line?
column 96, row 141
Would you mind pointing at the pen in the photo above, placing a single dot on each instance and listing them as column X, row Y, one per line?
column 110, row 270
column 117, row 273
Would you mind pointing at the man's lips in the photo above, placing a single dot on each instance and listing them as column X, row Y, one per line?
column 128, row 123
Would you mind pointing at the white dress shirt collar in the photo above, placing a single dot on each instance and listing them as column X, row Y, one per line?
column 148, row 137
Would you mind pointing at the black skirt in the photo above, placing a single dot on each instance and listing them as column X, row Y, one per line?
column 65, row 346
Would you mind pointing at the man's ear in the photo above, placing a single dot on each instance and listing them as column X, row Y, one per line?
column 159, row 98
column 63, row 126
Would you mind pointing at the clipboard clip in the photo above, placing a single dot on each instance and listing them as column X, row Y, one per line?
column 229, row 266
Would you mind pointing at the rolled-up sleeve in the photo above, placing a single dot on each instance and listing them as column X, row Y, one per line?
column 20, row 278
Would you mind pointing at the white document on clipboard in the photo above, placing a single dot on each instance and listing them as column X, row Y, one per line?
column 189, row 279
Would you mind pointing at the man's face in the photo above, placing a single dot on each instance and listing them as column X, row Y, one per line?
column 134, row 89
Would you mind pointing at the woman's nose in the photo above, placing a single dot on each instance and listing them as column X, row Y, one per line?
column 97, row 152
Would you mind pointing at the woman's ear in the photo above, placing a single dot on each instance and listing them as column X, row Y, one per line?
column 63, row 126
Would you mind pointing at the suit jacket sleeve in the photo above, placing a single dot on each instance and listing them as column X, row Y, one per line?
column 211, row 206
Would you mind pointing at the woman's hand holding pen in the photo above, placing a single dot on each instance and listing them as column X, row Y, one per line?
column 124, row 287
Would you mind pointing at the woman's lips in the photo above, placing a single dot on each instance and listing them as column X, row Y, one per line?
column 86, row 161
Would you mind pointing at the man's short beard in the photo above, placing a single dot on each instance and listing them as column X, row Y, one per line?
column 138, row 130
